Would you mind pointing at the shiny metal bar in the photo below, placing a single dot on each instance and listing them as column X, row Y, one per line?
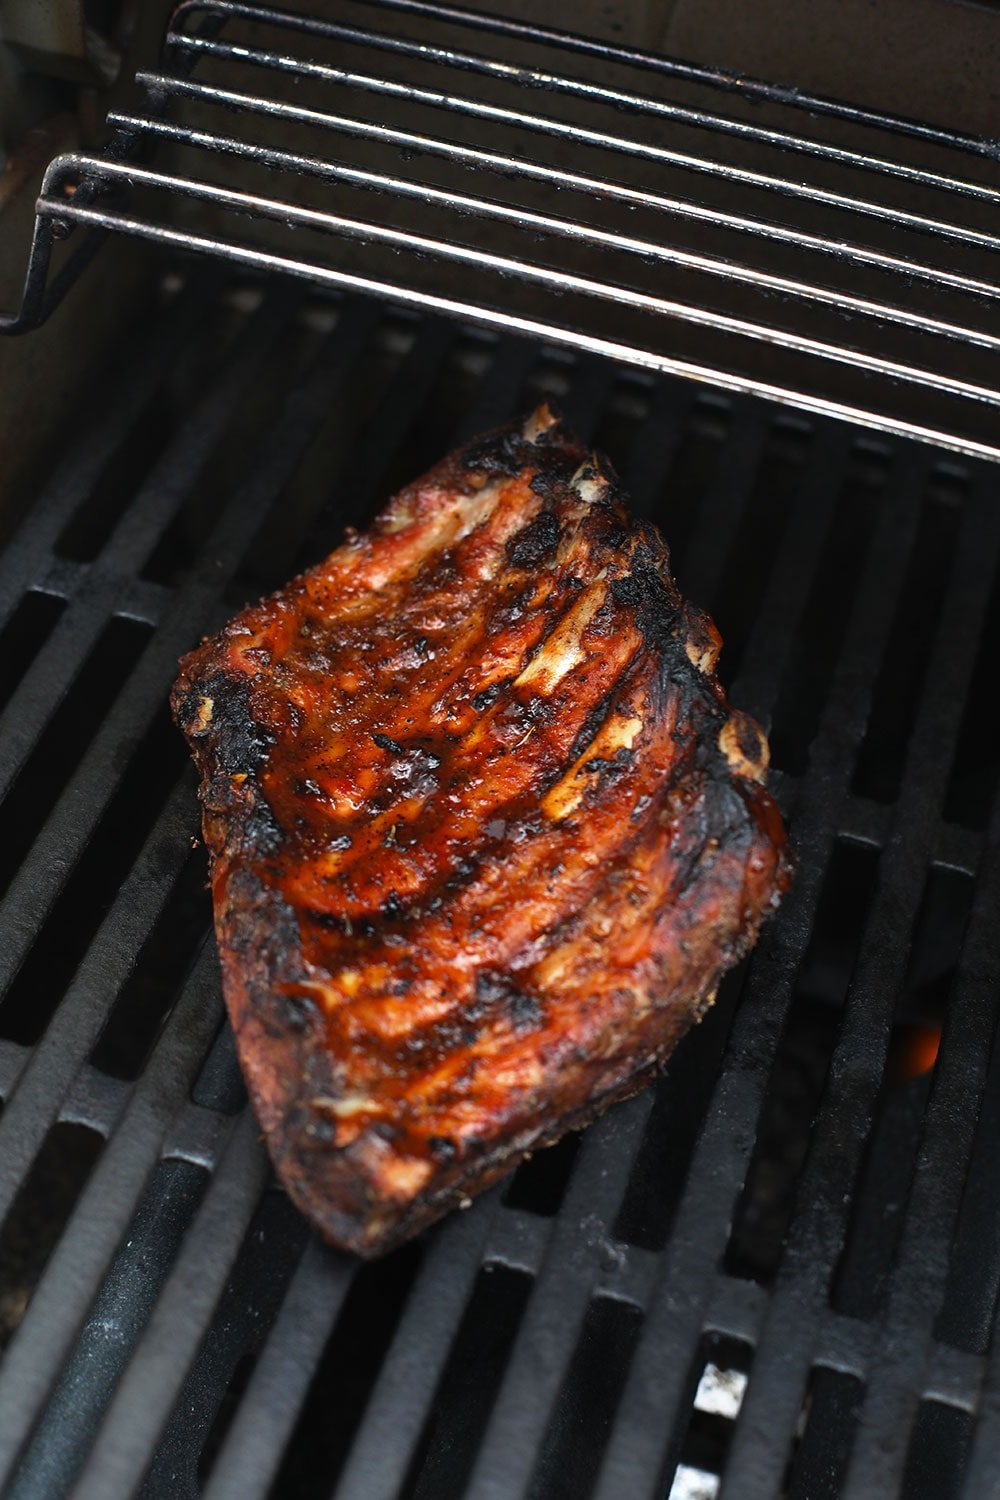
column 533, row 327
column 162, row 84
column 617, row 99
column 670, row 67
column 524, row 218
column 559, row 280
column 583, row 136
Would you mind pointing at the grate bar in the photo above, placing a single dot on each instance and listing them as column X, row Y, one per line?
column 144, row 601
column 43, row 873
column 726, row 497
column 868, row 822
column 795, row 567
column 653, row 452
column 983, row 1465
column 501, row 392
column 42, row 1086
column 143, row 362
column 557, row 1304
column 73, row 1276
column 628, row 1275
column 398, row 1406
column 519, row 1240
column 398, row 411
column 197, row 1136
column 954, row 1377
column 154, row 1375
column 95, row 1100
column 63, row 576
column 13, row 1058
column 736, row 1308
column 897, row 1386
column 253, row 1447
column 56, row 667
column 774, row 629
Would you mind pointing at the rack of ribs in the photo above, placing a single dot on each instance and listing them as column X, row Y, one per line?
column 484, row 831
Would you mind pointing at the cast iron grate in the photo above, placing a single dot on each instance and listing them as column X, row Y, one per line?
column 776, row 1272
column 670, row 216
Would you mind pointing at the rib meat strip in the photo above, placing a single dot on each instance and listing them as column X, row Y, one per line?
column 484, row 831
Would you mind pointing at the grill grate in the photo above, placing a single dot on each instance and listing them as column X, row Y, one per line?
column 185, row 1337
column 832, row 258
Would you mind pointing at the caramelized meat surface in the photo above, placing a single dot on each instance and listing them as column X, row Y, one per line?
column 484, row 831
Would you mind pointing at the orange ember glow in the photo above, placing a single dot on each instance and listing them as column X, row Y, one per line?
column 914, row 1052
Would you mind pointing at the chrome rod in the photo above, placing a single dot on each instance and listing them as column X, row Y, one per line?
column 160, row 83
column 532, row 327
column 558, row 280
column 581, row 135
column 524, row 218
column 674, row 67
column 537, row 78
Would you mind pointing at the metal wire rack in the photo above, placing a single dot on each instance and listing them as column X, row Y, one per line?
column 772, row 244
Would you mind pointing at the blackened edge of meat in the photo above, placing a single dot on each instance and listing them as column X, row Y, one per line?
column 219, row 704
column 505, row 451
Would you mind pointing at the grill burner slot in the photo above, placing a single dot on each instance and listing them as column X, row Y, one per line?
column 722, row 1370
column 447, row 1449
column 938, row 1449
column 24, row 635
column 343, row 1380
column 120, row 1312
column 39, row 1212
column 829, row 1416
column 801, row 1063
column 222, row 1348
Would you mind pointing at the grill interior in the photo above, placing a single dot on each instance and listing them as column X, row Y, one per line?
column 775, row 1272
column 663, row 214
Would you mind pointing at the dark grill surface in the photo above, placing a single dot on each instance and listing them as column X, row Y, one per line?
column 780, row 1265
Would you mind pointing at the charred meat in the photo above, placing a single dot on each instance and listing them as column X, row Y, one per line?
column 484, row 831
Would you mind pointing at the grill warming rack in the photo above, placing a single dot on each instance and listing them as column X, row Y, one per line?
column 833, row 258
